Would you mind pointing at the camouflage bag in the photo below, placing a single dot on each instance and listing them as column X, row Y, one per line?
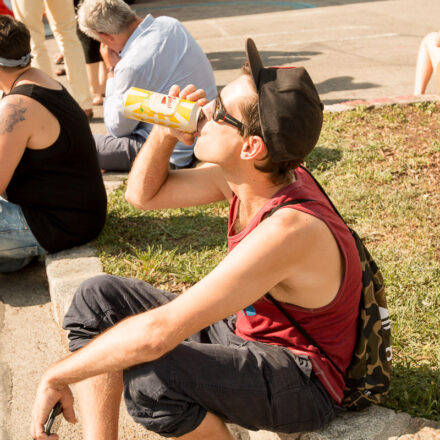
column 367, row 378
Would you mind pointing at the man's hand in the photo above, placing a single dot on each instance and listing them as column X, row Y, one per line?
column 46, row 398
column 191, row 94
column 109, row 56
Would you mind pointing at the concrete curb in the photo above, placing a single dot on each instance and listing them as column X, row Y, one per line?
column 68, row 269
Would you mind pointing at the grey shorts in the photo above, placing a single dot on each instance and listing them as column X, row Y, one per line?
column 252, row 384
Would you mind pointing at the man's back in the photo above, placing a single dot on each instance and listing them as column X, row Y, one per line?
column 158, row 54
column 56, row 180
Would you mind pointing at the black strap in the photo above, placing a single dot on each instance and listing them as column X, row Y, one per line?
column 301, row 329
column 290, row 202
column 291, row 319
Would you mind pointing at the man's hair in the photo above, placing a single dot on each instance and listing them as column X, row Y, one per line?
column 104, row 16
column 279, row 172
column 15, row 41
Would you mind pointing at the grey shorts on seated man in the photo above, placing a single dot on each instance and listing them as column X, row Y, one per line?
column 252, row 384
column 119, row 153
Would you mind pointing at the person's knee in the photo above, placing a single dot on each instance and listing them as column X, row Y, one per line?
column 90, row 291
column 90, row 302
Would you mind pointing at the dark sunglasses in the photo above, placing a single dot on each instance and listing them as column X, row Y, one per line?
column 220, row 114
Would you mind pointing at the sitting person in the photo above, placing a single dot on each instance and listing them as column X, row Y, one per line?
column 48, row 168
column 222, row 351
column 151, row 54
column 428, row 61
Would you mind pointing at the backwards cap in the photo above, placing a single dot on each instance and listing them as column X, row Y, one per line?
column 289, row 107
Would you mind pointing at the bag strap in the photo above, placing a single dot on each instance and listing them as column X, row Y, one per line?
column 290, row 318
column 301, row 329
column 291, row 202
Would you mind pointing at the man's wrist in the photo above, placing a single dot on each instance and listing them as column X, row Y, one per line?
column 49, row 380
column 166, row 135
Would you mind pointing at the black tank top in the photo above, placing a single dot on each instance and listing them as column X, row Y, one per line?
column 60, row 188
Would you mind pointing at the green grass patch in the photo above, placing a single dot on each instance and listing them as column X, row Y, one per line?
column 381, row 167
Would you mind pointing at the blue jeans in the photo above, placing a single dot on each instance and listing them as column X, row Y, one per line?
column 18, row 245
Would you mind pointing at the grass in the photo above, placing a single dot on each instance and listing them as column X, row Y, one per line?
column 381, row 167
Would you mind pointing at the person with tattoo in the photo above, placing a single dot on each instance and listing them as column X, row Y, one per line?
column 52, row 196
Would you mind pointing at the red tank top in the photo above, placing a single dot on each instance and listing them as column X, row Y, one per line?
column 334, row 326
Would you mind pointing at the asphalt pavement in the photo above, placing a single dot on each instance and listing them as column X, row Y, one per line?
column 354, row 51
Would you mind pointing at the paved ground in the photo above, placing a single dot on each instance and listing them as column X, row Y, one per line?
column 354, row 50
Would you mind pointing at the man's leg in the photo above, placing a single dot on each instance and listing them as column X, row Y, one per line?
column 117, row 154
column 427, row 61
column 99, row 399
column 98, row 304
column 30, row 12
column 18, row 245
column 61, row 16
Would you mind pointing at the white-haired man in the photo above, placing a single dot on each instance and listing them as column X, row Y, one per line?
column 222, row 350
column 150, row 53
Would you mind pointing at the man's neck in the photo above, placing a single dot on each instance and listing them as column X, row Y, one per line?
column 129, row 32
column 253, row 192
column 7, row 79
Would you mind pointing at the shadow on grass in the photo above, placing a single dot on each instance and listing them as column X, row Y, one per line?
column 183, row 232
column 322, row 158
column 415, row 390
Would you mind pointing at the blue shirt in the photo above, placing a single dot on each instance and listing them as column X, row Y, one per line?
column 159, row 53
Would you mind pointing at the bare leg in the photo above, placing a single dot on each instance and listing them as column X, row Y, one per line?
column 428, row 58
column 102, row 77
column 99, row 399
column 212, row 428
column 93, row 73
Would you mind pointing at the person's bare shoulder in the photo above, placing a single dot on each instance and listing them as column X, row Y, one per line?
column 14, row 113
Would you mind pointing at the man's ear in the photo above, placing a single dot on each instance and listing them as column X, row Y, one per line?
column 253, row 148
column 105, row 38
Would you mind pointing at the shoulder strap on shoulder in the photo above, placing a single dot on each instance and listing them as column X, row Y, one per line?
column 291, row 319
column 291, row 202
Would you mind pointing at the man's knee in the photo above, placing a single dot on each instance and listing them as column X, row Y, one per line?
column 90, row 292
column 91, row 310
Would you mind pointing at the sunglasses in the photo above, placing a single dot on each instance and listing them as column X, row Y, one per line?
column 220, row 114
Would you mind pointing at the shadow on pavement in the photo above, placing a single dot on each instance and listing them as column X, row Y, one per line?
column 185, row 10
column 235, row 59
column 27, row 287
column 342, row 83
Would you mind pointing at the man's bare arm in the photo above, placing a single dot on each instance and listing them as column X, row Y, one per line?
column 14, row 123
column 152, row 186
column 259, row 262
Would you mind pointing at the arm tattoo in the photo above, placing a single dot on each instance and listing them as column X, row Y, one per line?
column 13, row 116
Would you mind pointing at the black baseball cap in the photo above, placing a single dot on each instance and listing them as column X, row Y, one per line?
column 289, row 107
